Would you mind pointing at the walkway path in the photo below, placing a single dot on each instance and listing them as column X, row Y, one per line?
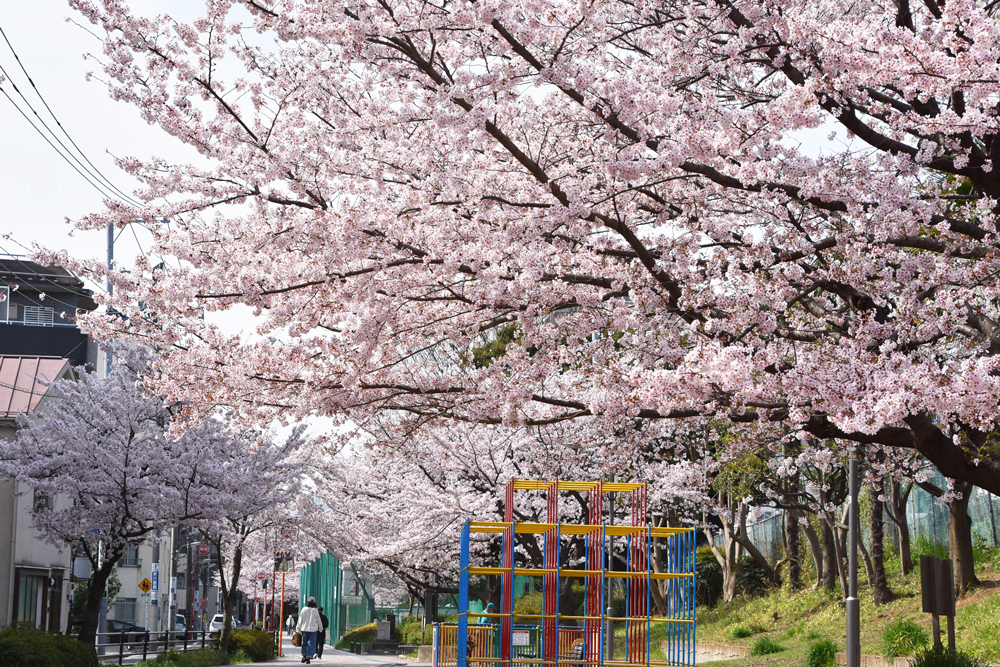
column 334, row 658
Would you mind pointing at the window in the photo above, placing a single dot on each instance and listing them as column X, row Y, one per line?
column 29, row 600
column 5, row 313
column 39, row 316
column 42, row 501
column 125, row 609
column 131, row 558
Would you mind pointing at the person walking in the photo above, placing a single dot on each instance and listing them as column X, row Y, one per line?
column 321, row 637
column 289, row 625
column 309, row 626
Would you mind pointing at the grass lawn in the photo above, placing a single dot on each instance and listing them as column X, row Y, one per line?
column 796, row 621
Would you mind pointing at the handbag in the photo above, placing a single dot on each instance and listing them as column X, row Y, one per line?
column 297, row 639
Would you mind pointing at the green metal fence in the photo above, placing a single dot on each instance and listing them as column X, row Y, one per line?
column 322, row 579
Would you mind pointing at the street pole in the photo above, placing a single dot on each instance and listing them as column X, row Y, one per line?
column 853, row 605
column 111, row 261
column 282, row 616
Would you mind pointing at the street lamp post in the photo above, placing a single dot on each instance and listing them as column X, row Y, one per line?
column 853, row 606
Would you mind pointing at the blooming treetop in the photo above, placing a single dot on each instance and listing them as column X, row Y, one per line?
column 410, row 174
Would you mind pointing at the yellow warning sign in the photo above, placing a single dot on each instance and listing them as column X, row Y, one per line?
column 145, row 585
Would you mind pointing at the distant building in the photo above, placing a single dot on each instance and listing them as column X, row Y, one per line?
column 38, row 307
column 34, row 574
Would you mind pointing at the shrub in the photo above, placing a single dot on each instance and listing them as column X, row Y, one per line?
column 939, row 656
column 240, row 657
column 364, row 634
column 256, row 644
column 813, row 634
column 34, row 648
column 411, row 633
column 709, row 579
column 821, row 654
column 741, row 632
column 902, row 638
column 924, row 546
column 752, row 579
column 764, row 646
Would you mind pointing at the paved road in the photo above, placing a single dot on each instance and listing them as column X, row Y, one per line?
column 333, row 657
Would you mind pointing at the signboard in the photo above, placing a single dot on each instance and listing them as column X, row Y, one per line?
column 202, row 604
column 284, row 561
column 156, row 583
column 262, row 575
column 144, row 585
column 521, row 638
column 204, row 549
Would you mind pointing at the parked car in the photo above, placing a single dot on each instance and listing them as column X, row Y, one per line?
column 216, row 624
column 180, row 627
column 126, row 633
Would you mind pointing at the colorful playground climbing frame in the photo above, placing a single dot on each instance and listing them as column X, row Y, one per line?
column 507, row 638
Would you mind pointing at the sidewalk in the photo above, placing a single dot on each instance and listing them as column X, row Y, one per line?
column 331, row 656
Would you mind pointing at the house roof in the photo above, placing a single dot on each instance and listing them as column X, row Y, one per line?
column 24, row 381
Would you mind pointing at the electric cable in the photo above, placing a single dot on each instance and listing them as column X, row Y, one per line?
column 96, row 172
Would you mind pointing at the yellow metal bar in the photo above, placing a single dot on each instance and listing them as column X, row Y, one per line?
column 621, row 487
column 671, row 575
column 484, row 615
column 627, row 530
column 580, row 618
column 578, row 573
column 577, row 529
column 533, row 528
column 516, row 615
column 533, row 572
column 663, row 531
column 489, row 570
column 530, row 484
column 576, row 486
column 669, row 620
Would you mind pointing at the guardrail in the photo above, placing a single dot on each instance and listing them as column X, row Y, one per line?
column 128, row 644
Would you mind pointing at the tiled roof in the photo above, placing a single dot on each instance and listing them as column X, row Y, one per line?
column 23, row 381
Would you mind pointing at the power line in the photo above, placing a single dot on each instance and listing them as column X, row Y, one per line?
column 96, row 174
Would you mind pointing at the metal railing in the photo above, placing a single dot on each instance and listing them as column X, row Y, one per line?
column 127, row 644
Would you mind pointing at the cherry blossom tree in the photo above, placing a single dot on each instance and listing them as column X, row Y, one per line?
column 252, row 480
column 382, row 182
column 104, row 443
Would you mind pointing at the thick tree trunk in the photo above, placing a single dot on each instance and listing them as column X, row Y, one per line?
column 816, row 550
column 230, row 595
column 830, row 567
column 792, row 550
column 960, row 539
column 899, row 497
column 728, row 557
column 95, row 593
column 880, row 583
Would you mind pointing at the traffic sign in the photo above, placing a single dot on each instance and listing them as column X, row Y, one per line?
column 144, row 585
column 204, row 549
column 262, row 575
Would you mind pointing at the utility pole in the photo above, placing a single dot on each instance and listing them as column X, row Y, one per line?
column 111, row 288
column 853, row 605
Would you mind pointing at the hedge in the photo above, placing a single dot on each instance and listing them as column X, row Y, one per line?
column 34, row 648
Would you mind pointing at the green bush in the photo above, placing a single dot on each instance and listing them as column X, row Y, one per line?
column 939, row 656
column 764, row 646
column 411, row 633
column 202, row 658
column 924, row 546
column 902, row 637
column 709, row 579
column 741, row 632
column 365, row 634
column 821, row 654
column 256, row 644
column 240, row 657
column 752, row 579
column 34, row 648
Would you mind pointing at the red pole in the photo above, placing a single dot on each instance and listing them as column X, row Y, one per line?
column 193, row 573
column 280, row 653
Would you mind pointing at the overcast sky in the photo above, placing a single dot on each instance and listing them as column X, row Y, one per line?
column 38, row 189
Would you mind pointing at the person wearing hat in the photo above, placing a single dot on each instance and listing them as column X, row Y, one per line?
column 309, row 626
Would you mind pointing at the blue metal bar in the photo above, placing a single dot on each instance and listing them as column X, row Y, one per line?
column 463, row 600
column 604, row 609
column 694, row 600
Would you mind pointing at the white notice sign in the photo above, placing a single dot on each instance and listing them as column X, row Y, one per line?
column 522, row 638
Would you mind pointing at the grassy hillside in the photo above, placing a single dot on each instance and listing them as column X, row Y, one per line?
column 796, row 621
